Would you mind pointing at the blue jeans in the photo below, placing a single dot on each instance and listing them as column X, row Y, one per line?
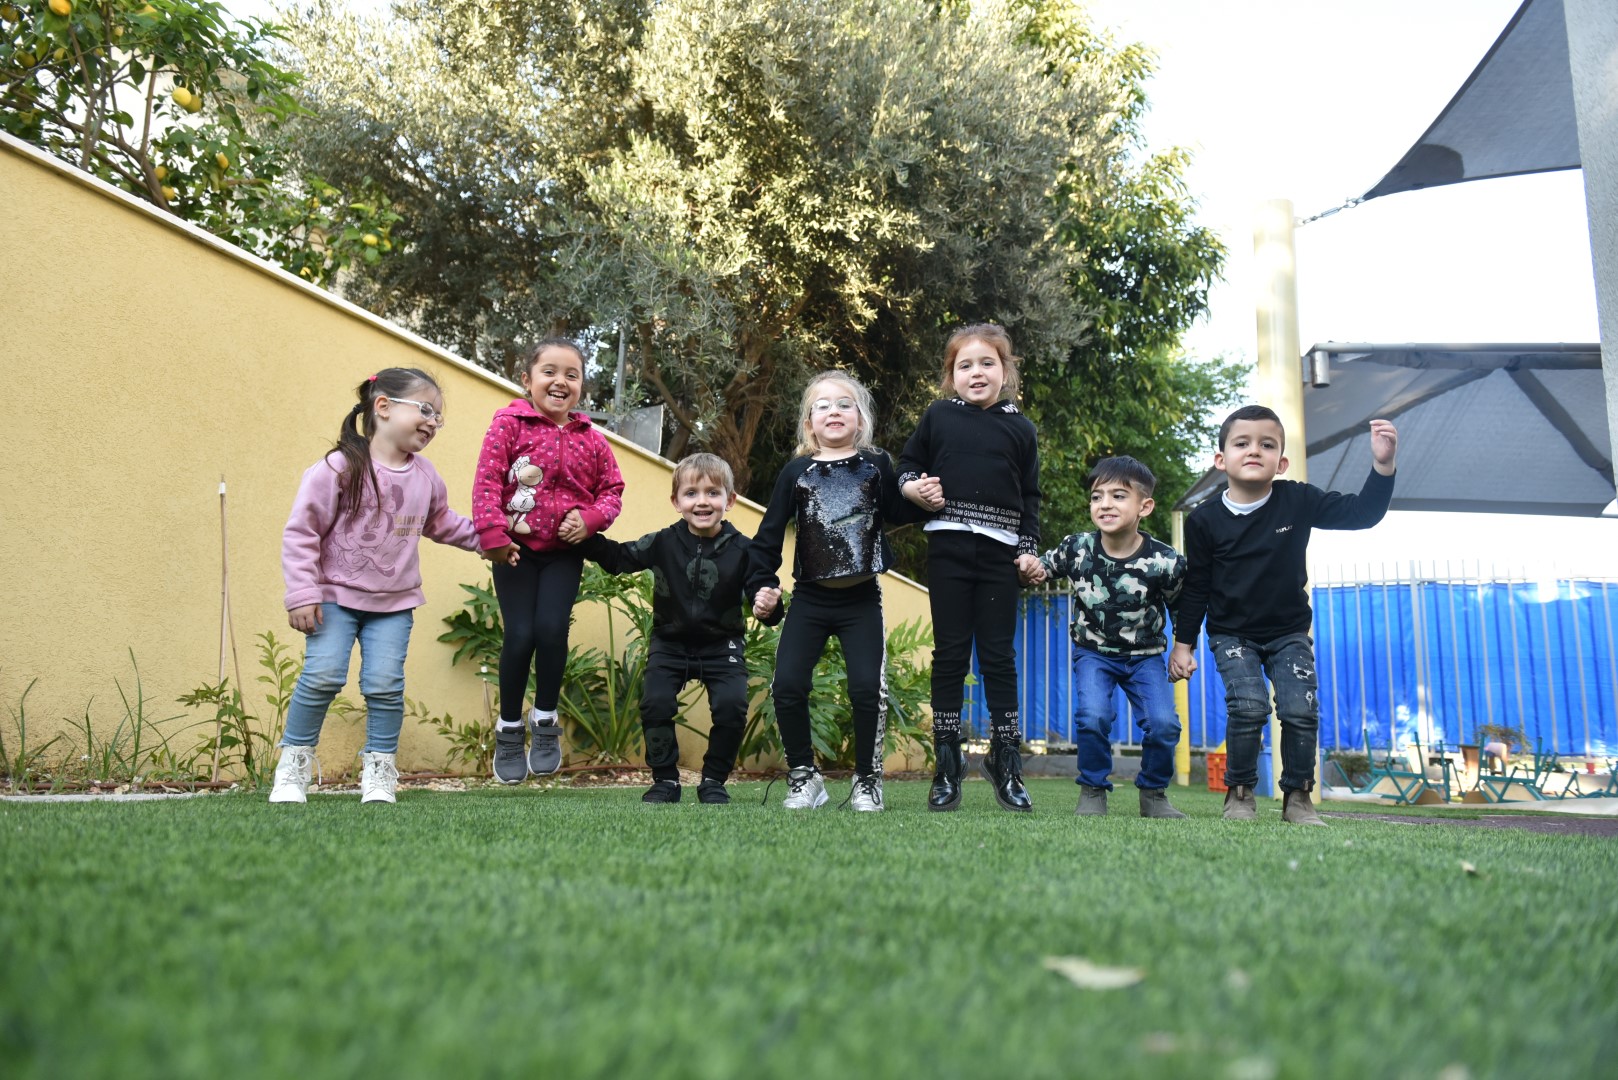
column 1145, row 683
column 1289, row 663
column 383, row 638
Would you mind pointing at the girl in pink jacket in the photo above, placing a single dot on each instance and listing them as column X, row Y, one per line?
column 349, row 557
column 546, row 481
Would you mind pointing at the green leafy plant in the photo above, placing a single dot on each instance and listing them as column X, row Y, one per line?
column 180, row 105
column 601, row 692
column 471, row 744
column 136, row 746
column 21, row 763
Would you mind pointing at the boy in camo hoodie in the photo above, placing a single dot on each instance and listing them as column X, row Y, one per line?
column 1124, row 583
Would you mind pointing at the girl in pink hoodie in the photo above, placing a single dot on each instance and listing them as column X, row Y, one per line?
column 349, row 557
column 546, row 481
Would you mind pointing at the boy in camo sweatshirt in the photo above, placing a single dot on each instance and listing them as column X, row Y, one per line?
column 1124, row 582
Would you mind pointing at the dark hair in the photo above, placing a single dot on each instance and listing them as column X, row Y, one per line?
column 1250, row 412
column 991, row 335
column 354, row 437
column 1122, row 470
column 526, row 367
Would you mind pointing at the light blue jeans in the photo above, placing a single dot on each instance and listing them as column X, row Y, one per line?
column 383, row 636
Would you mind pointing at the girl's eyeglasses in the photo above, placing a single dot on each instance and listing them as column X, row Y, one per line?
column 826, row 405
column 428, row 413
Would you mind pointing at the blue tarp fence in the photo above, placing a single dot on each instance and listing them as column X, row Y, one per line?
column 1396, row 660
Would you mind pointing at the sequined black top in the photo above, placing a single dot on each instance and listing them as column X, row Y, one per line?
column 840, row 508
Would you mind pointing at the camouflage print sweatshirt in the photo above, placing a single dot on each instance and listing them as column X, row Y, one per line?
column 1118, row 604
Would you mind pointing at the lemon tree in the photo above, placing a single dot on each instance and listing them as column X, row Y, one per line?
column 175, row 102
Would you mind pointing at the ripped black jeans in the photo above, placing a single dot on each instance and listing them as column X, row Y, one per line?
column 1290, row 664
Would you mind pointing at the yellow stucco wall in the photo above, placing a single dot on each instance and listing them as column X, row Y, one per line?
column 143, row 359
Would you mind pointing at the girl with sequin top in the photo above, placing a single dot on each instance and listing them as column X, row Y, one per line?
column 841, row 493
column 973, row 464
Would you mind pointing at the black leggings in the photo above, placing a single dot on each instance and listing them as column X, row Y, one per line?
column 973, row 588
column 854, row 616
column 722, row 670
column 536, row 605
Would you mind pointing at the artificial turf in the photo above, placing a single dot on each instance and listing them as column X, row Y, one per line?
column 570, row 933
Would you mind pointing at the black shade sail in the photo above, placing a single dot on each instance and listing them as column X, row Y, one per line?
column 1513, row 115
column 1503, row 429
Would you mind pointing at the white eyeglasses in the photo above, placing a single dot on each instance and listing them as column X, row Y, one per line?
column 826, row 405
column 428, row 413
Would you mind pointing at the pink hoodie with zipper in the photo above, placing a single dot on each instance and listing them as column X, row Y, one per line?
column 580, row 473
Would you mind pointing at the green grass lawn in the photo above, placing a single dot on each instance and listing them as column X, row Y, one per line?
column 578, row 933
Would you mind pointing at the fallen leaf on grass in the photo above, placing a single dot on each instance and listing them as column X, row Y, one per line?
column 1087, row 976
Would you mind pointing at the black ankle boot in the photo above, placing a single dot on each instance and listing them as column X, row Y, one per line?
column 1003, row 766
column 945, row 794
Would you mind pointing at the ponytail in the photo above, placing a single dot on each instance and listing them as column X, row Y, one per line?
column 354, row 435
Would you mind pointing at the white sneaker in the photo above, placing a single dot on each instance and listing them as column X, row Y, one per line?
column 292, row 774
column 867, row 793
column 806, row 789
column 378, row 777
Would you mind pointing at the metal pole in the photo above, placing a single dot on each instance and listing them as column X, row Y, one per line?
column 1483, row 635
column 1550, row 686
column 1279, row 374
column 618, row 384
column 1336, row 681
column 1455, row 649
column 1387, row 649
column 1612, row 647
column 1359, row 645
column 1516, row 653
column 1182, row 689
column 1578, row 656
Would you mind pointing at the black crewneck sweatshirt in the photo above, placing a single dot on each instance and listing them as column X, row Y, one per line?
column 1246, row 572
column 988, row 460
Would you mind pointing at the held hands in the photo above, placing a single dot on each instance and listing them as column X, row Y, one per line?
column 1182, row 662
column 572, row 529
column 927, row 492
column 1030, row 571
column 765, row 601
column 509, row 554
column 305, row 619
column 1384, row 444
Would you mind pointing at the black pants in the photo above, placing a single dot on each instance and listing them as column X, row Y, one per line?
column 722, row 670
column 973, row 587
column 854, row 616
column 536, row 606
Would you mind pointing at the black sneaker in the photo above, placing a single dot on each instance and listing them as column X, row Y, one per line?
column 662, row 791
column 713, row 792
column 510, row 760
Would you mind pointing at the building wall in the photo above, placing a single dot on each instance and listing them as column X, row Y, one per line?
column 144, row 361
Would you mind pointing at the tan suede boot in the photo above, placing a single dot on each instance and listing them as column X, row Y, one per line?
column 1240, row 804
column 1298, row 810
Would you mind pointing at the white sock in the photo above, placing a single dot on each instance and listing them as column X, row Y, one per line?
column 542, row 717
column 508, row 725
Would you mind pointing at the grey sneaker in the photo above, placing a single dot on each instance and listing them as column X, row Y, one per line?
column 379, row 777
column 545, row 749
column 806, row 789
column 292, row 774
column 1154, row 802
column 867, row 793
column 1092, row 801
column 1240, row 805
column 1298, row 810
column 510, row 762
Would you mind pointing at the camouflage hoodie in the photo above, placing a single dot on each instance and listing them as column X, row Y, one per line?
column 1118, row 604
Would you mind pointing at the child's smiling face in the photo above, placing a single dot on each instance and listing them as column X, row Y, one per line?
column 1251, row 458
column 1117, row 507
column 702, row 501
column 834, row 415
column 554, row 381
column 400, row 423
column 979, row 373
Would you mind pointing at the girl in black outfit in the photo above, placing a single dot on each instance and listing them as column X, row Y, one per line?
column 973, row 462
column 841, row 492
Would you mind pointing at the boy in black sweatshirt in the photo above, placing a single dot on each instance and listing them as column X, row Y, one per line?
column 699, row 623
column 1246, row 573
